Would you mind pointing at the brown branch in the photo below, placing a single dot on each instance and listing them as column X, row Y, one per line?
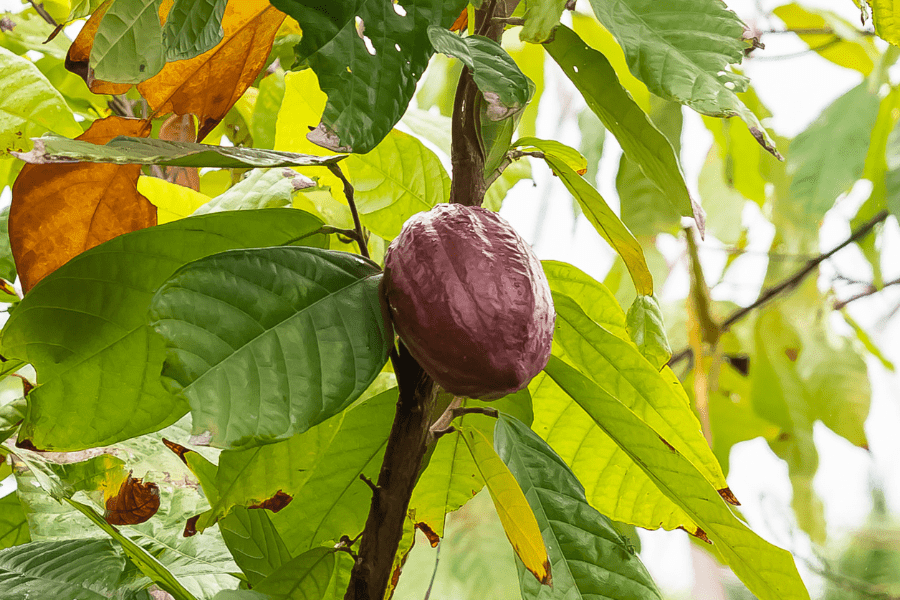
column 868, row 292
column 788, row 283
column 39, row 9
column 348, row 192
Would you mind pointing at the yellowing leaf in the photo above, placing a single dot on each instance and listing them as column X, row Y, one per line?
column 59, row 211
column 172, row 201
column 886, row 16
column 844, row 45
column 515, row 513
column 209, row 85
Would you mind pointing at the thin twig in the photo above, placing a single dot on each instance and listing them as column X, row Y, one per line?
column 789, row 283
column 39, row 8
column 437, row 559
column 868, row 292
column 348, row 192
column 814, row 31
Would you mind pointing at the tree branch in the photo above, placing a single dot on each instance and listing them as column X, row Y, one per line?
column 407, row 443
column 788, row 283
column 868, row 292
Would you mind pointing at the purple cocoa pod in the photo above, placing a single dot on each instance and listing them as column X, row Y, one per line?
column 470, row 300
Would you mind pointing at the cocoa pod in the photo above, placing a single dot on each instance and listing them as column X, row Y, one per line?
column 470, row 301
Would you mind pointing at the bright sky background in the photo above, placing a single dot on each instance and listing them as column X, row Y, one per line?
column 795, row 90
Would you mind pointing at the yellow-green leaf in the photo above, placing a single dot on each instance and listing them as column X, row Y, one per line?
column 518, row 520
column 886, row 16
column 172, row 201
column 844, row 45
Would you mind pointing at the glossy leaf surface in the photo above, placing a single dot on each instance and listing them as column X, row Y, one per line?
column 588, row 555
column 365, row 103
column 253, row 541
column 94, row 363
column 267, row 343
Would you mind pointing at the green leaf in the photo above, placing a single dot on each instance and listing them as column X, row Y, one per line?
column 260, row 188
column 146, row 562
column 366, row 102
column 657, row 397
column 886, row 17
column 83, row 8
column 828, row 157
column 124, row 150
column 588, row 555
column 843, row 44
column 515, row 514
column 13, row 526
column 253, row 541
column 334, row 501
column 29, row 105
column 541, row 19
column 593, row 297
column 399, row 178
column 572, row 157
column 607, row 224
column 682, row 51
column 266, row 343
column 64, row 570
column 313, row 574
column 97, row 305
column 265, row 111
column 647, row 330
column 30, row 32
column 193, row 27
column 504, row 87
column 767, row 571
column 11, row 415
column 128, row 46
column 641, row 141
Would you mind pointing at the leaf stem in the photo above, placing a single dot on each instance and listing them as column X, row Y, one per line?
column 348, row 192
column 789, row 283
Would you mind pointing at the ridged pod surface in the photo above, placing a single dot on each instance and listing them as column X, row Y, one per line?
column 470, row 300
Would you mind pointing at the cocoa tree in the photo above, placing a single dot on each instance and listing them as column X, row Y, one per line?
column 204, row 392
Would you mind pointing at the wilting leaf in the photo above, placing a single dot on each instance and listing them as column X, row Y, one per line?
column 128, row 45
column 684, row 55
column 313, row 574
column 134, row 503
column 502, row 84
column 125, row 150
column 647, row 330
column 29, row 105
column 366, row 102
column 396, row 180
column 193, row 27
column 607, row 224
column 254, row 542
column 13, row 526
column 59, row 211
column 79, row 403
column 641, row 141
column 588, row 555
column 306, row 338
column 768, row 571
column 65, row 570
column 518, row 520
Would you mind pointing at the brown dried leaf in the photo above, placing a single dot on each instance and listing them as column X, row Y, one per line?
column 208, row 85
column 58, row 211
column 181, row 128
column 135, row 503
column 433, row 538
column 729, row 497
column 178, row 449
column 190, row 527
column 275, row 503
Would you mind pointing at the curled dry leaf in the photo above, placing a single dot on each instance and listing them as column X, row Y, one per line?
column 208, row 85
column 135, row 502
column 59, row 211
column 275, row 503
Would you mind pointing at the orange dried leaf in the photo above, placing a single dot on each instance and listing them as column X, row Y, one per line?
column 461, row 22
column 58, row 211
column 78, row 57
column 208, row 85
column 181, row 128
column 135, row 503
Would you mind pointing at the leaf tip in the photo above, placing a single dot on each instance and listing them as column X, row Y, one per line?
column 729, row 496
